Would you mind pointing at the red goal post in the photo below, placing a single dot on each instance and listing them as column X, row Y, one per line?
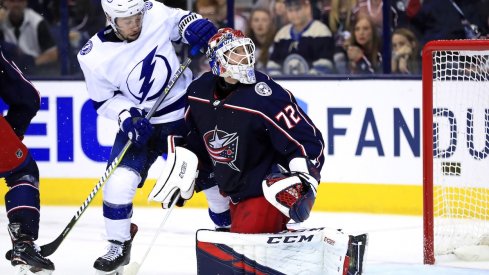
column 455, row 145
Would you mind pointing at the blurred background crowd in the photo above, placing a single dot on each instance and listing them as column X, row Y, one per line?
column 292, row 37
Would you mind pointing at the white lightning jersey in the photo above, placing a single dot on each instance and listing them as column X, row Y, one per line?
column 120, row 75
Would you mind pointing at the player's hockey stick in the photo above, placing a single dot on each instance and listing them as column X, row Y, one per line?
column 51, row 247
column 133, row 268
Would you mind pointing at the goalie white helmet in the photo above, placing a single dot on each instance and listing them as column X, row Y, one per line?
column 231, row 54
column 115, row 9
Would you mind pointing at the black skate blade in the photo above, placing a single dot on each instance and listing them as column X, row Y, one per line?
column 23, row 269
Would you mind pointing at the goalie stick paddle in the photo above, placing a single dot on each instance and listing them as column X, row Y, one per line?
column 133, row 268
column 51, row 247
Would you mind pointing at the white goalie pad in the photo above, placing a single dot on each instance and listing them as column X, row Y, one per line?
column 178, row 175
column 307, row 251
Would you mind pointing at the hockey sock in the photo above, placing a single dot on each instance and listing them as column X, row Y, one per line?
column 22, row 204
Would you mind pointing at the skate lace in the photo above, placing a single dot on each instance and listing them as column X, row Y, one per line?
column 114, row 251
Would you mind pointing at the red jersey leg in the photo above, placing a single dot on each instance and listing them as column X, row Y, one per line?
column 257, row 215
column 12, row 151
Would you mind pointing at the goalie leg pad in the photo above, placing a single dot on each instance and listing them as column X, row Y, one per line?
column 309, row 251
column 356, row 252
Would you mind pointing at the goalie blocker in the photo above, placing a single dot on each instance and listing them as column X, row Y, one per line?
column 307, row 251
column 177, row 180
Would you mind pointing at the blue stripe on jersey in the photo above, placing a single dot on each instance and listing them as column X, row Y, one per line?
column 97, row 104
column 117, row 211
column 179, row 104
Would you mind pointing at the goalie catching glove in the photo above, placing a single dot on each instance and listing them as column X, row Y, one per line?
column 293, row 193
column 177, row 180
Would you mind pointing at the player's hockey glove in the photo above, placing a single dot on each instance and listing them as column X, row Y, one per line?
column 197, row 31
column 137, row 128
column 293, row 193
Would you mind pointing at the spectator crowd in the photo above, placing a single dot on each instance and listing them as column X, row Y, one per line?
column 292, row 37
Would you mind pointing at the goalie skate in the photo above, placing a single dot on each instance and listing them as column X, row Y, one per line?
column 117, row 256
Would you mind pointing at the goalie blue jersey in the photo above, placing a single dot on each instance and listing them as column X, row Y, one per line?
column 240, row 137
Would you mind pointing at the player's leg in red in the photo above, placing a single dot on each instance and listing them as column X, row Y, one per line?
column 13, row 152
column 21, row 200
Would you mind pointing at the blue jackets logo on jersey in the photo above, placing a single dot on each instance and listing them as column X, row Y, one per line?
column 263, row 89
column 141, row 80
column 222, row 147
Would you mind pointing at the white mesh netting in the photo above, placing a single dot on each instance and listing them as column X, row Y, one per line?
column 460, row 149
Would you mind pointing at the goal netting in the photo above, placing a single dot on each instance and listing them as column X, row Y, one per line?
column 456, row 148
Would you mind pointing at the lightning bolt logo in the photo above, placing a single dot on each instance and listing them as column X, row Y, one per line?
column 146, row 74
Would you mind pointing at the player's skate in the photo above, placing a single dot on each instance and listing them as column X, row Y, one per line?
column 117, row 256
column 25, row 254
column 355, row 253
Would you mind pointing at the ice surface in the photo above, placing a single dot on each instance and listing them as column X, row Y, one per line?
column 395, row 242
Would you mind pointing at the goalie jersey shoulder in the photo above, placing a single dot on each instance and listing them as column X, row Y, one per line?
column 259, row 95
column 269, row 96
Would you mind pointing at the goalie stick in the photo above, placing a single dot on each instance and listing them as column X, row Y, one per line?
column 51, row 247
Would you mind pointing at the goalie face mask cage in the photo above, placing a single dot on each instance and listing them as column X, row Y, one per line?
column 231, row 54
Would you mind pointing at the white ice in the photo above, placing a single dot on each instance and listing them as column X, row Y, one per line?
column 395, row 242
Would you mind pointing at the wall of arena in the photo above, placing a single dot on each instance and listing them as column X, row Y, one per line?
column 372, row 130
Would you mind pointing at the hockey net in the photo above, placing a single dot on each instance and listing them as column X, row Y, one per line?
column 456, row 149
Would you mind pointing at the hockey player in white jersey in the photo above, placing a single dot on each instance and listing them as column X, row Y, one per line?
column 126, row 67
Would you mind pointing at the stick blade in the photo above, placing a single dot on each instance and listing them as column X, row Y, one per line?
column 50, row 248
